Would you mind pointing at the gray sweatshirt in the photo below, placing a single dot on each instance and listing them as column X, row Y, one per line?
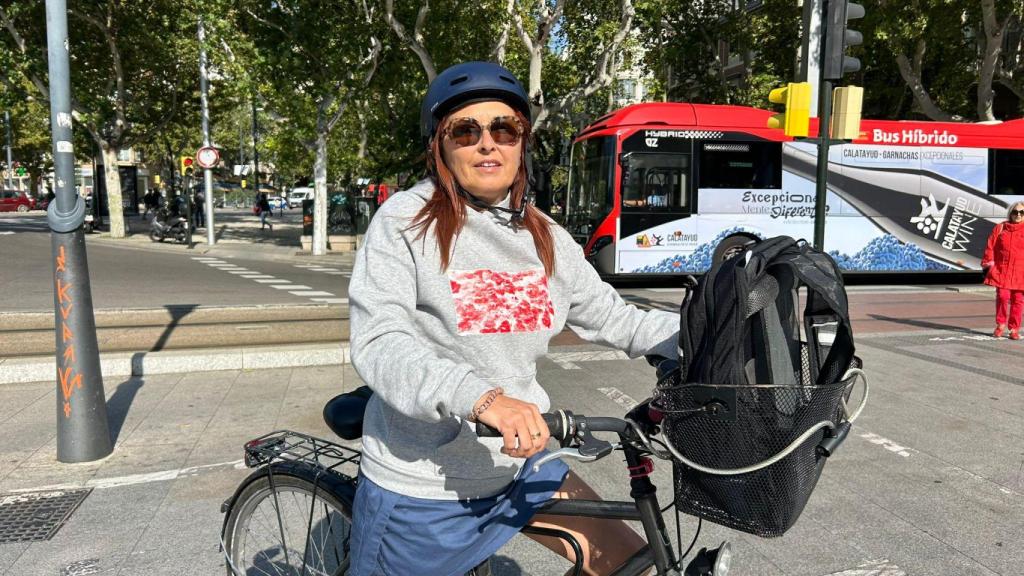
column 430, row 342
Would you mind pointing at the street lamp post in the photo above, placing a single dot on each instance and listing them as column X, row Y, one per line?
column 10, row 164
column 83, row 434
column 207, row 172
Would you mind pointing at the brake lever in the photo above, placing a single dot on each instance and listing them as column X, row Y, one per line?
column 561, row 453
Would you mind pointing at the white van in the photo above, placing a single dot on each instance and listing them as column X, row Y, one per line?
column 297, row 195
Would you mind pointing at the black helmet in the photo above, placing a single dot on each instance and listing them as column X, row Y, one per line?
column 469, row 81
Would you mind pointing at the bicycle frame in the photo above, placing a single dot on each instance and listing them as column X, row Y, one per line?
column 644, row 508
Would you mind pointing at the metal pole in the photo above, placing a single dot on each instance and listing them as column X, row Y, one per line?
column 82, row 431
column 203, row 98
column 824, row 119
column 812, row 48
column 10, row 164
column 255, row 148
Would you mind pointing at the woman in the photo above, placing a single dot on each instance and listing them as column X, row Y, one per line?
column 1004, row 265
column 456, row 293
column 263, row 206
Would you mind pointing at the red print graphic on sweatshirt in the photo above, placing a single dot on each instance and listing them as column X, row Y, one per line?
column 488, row 302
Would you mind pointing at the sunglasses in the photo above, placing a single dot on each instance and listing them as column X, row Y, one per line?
column 504, row 130
column 1017, row 212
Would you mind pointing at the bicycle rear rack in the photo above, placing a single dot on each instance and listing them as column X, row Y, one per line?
column 288, row 446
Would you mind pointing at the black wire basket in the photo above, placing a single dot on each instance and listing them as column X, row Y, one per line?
column 732, row 427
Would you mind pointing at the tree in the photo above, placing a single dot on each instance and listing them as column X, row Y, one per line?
column 561, row 78
column 313, row 59
column 129, row 77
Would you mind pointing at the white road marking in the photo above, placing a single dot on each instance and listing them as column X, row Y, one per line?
column 873, row 568
column 239, row 271
column 254, row 275
column 6, row 233
column 887, row 444
column 324, row 269
column 274, row 281
column 205, row 258
column 331, row 300
column 133, row 479
column 290, row 287
column 310, row 293
column 567, row 360
column 306, row 265
column 619, row 397
column 979, row 337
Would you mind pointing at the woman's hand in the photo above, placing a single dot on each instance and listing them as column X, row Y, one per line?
column 519, row 422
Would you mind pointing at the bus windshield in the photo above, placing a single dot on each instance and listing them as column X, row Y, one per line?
column 655, row 181
column 590, row 184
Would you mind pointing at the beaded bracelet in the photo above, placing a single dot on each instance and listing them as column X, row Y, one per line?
column 492, row 395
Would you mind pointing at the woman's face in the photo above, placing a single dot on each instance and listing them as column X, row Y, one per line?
column 485, row 168
column 1017, row 212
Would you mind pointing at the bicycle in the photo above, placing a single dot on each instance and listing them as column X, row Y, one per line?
column 300, row 495
column 292, row 515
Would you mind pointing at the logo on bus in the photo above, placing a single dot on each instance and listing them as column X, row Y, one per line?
column 648, row 240
column 955, row 231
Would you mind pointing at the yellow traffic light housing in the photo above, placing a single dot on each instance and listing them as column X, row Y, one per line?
column 795, row 121
column 186, row 165
column 846, row 107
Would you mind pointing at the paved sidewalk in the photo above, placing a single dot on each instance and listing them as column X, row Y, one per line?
column 930, row 481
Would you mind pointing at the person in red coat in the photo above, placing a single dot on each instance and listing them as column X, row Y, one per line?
column 1004, row 263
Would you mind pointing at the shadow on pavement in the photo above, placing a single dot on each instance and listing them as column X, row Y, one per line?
column 925, row 324
column 119, row 403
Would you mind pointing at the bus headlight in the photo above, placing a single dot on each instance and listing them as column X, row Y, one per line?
column 599, row 245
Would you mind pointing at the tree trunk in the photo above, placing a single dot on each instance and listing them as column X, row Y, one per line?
column 112, row 181
column 320, row 196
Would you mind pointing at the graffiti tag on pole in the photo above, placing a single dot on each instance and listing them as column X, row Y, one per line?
column 69, row 381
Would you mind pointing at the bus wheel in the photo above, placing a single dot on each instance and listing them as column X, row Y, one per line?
column 733, row 245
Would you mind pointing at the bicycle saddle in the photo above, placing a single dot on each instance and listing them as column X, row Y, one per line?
column 344, row 413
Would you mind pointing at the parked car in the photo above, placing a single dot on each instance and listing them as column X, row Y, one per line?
column 297, row 195
column 15, row 201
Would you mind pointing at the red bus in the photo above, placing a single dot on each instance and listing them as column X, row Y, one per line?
column 658, row 188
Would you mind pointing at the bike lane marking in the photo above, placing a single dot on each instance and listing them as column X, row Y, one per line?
column 873, row 568
column 133, row 479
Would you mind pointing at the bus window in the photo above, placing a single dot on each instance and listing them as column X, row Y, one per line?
column 590, row 184
column 755, row 165
column 1007, row 172
column 656, row 181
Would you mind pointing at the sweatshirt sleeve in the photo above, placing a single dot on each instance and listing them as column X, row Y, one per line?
column 388, row 350
column 599, row 314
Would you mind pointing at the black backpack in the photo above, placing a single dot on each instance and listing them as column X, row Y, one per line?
column 755, row 375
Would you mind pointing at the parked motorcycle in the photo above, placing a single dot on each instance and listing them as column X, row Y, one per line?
column 167, row 225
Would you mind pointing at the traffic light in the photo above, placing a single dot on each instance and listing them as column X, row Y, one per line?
column 838, row 38
column 796, row 96
column 186, row 165
column 846, row 103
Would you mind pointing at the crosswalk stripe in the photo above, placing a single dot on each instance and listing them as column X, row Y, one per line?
column 290, row 287
column 273, row 281
column 310, row 293
column 239, row 271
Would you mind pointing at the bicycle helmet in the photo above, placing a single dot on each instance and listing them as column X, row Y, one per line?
column 469, row 81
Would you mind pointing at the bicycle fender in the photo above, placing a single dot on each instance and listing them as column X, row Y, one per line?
column 344, row 488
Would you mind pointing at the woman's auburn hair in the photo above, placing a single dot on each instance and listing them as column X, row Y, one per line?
column 446, row 209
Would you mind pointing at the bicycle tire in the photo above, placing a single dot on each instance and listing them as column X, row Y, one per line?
column 308, row 525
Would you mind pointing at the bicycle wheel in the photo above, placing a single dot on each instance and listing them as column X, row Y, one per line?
column 288, row 530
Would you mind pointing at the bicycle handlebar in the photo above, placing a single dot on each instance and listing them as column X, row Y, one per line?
column 565, row 425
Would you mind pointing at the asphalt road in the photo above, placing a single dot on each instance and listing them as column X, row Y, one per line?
column 134, row 274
